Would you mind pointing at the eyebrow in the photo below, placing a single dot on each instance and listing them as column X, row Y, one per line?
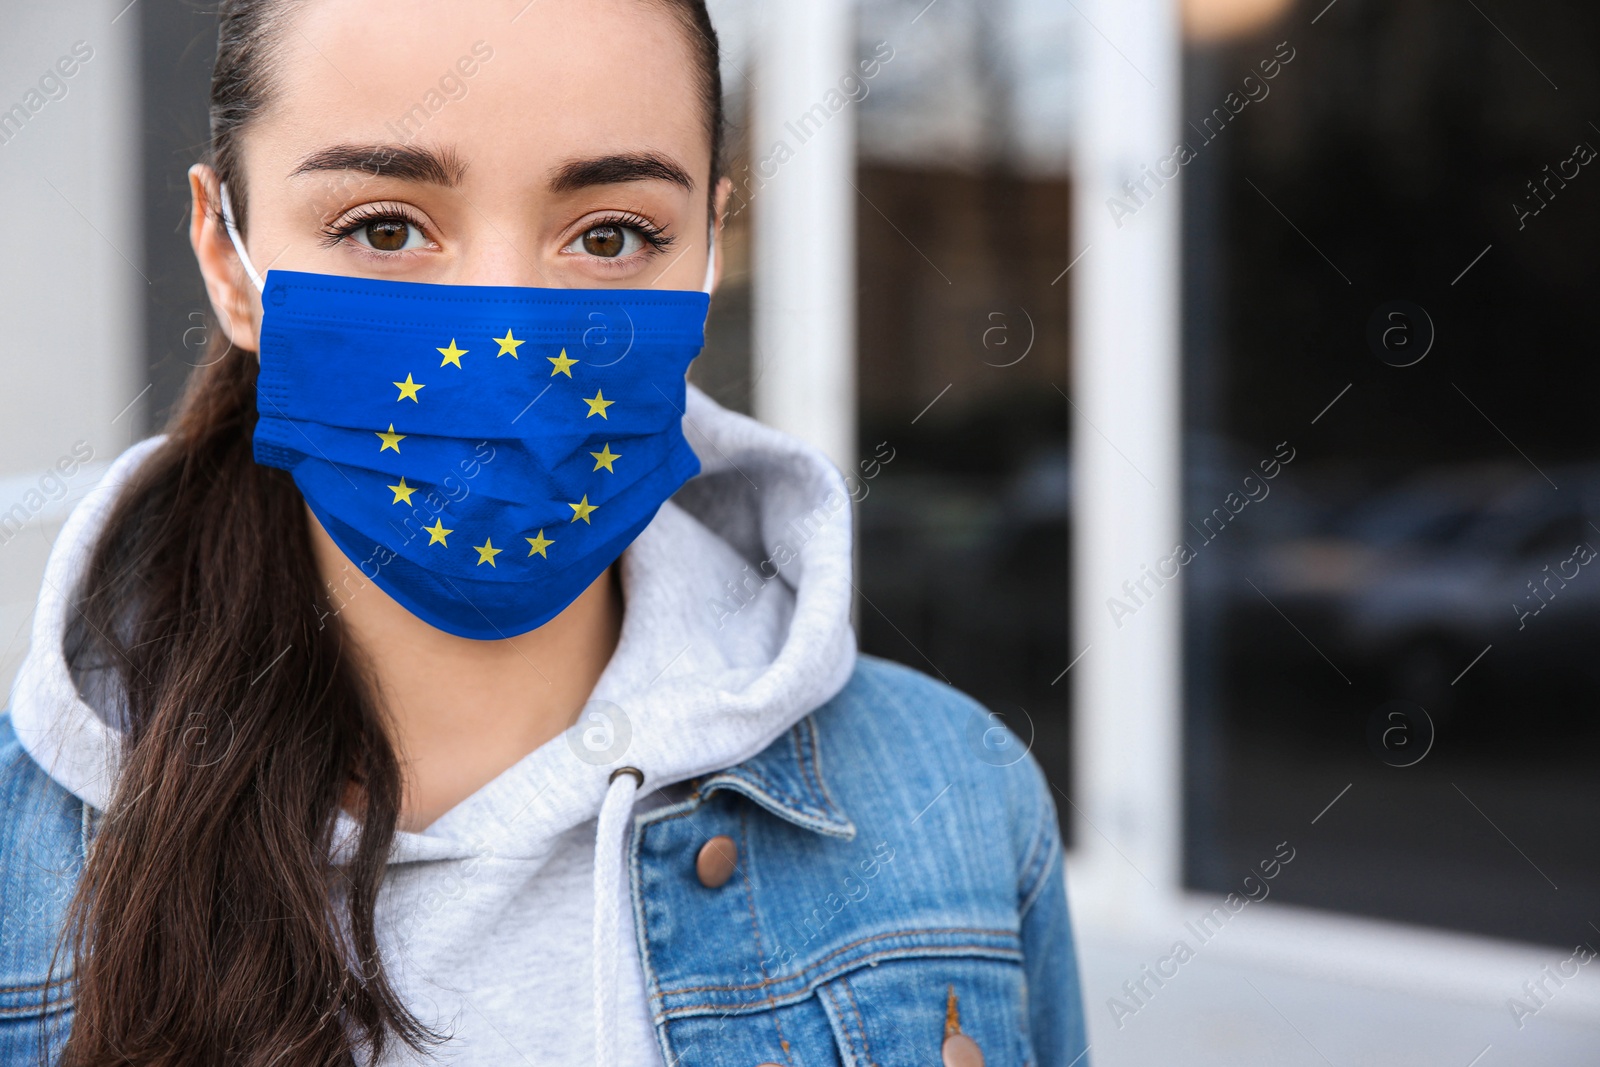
column 407, row 162
column 616, row 169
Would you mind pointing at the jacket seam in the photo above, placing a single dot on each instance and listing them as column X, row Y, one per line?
column 1038, row 890
column 798, row 743
column 691, row 808
column 36, row 986
column 37, row 1011
column 684, row 814
column 861, row 1023
column 700, row 801
column 767, row 786
column 1010, row 955
column 1047, row 863
column 846, row 947
column 835, row 1024
column 839, row 1017
column 46, row 1005
column 755, row 929
column 641, row 928
column 813, row 735
column 1036, row 842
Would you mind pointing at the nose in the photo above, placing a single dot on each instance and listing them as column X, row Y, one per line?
column 506, row 258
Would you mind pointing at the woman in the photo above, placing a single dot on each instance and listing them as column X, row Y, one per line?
column 300, row 771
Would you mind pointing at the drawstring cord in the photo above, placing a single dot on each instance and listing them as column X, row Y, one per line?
column 611, row 825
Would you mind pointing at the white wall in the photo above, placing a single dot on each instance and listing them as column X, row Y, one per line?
column 804, row 208
column 71, row 292
column 1125, row 448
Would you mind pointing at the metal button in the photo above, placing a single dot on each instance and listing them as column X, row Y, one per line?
column 716, row 861
column 961, row 1051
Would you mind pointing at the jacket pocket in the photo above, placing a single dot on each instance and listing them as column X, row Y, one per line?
column 23, row 1034
column 896, row 1012
column 914, row 1011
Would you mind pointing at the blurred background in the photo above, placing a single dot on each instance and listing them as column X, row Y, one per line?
column 1215, row 382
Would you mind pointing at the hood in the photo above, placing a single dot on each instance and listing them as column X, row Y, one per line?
column 737, row 624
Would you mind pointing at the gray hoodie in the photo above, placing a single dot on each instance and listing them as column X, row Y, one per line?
column 508, row 922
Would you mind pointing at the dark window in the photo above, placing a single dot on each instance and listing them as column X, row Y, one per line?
column 962, row 239
column 1389, row 264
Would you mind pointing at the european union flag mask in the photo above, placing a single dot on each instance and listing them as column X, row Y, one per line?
column 483, row 453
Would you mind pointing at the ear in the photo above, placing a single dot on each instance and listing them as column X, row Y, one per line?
column 724, row 192
column 234, row 299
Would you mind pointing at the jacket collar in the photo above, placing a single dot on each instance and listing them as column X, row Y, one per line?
column 786, row 779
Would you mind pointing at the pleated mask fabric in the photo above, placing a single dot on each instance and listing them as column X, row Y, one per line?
column 481, row 453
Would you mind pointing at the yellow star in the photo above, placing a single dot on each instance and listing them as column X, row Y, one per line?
column 581, row 510
column 451, row 354
column 598, row 405
column 437, row 533
column 539, row 544
column 390, row 439
column 563, row 364
column 508, row 346
column 408, row 388
column 402, row 492
column 487, row 552
column 605, row 459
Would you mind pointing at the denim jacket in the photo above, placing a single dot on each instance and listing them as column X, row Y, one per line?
column 898, row 895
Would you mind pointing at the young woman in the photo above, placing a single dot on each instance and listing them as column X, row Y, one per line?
column 451, row 682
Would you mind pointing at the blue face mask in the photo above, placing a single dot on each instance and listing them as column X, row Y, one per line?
column 482, row 453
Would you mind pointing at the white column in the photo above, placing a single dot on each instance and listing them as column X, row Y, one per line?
column 1125, row 450
column 800, row 190
column 71, row 289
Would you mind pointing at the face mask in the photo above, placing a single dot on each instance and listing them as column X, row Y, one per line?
column 482, row 453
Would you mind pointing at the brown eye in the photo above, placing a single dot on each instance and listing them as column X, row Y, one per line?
column 617, row 240
column 384, row 233
column 607, row 242
column 388, row 235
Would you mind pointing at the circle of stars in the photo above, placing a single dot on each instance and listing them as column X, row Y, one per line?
column 562, row 364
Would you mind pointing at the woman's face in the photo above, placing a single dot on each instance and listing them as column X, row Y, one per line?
column 552, row 143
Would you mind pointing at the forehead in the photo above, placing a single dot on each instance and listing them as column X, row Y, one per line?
column 549, row 81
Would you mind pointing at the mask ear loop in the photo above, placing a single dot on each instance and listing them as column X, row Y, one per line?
column 711, row 260
column 233, row 235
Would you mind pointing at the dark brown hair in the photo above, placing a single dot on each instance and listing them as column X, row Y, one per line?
column 206, row 924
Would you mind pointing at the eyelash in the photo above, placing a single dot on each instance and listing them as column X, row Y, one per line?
column 371, row 213
column 653, row 235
